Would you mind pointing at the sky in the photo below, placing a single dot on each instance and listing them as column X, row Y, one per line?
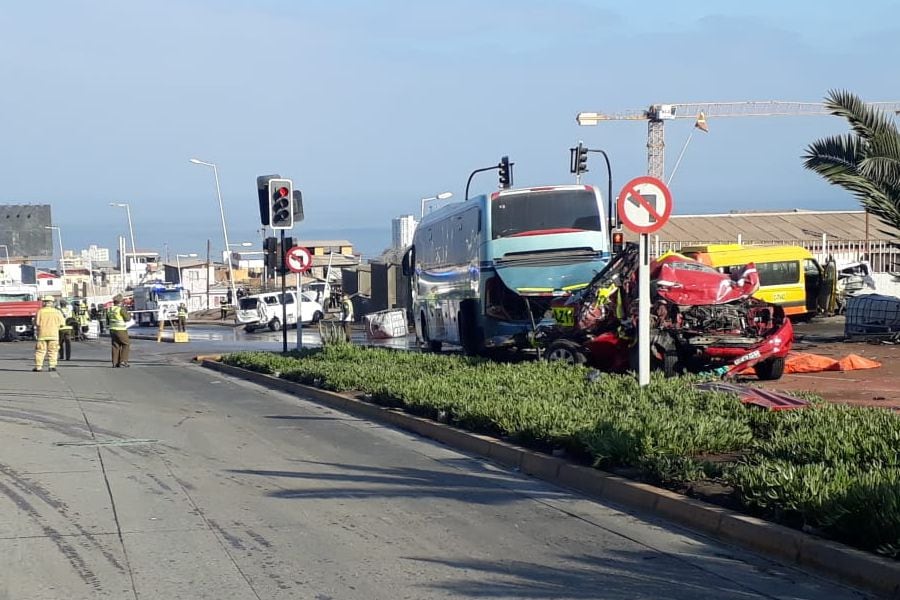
column 370, row 106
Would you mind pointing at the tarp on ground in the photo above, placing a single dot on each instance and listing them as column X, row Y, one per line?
column 805, row 362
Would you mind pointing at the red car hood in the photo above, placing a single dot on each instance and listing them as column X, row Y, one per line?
column 686, row 282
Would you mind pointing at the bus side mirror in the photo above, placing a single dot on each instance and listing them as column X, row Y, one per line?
column 407, row 266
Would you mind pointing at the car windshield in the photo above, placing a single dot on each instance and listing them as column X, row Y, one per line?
column 545, row 211
column 248, row 303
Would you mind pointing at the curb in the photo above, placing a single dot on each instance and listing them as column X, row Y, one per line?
column 833, row 560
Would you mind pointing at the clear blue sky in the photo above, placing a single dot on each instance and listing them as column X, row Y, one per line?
column 369, row 106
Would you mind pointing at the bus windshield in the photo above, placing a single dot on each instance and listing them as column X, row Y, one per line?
column 169, row 295
column 544, row 212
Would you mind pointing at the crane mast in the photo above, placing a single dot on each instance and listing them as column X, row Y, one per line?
column 657, row 114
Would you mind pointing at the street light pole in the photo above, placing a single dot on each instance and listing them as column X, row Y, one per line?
column 178, row 262
column 222, row 213
column 62, row 264
column 127, row 208
column 441, row 196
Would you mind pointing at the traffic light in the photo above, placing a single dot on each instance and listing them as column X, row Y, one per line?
column 580, row 162
column 281, row 204
column 618, row 242
column 262, row 190
column 271, row 251
column 505, row 168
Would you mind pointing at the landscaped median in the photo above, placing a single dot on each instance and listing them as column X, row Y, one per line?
column 829, row 469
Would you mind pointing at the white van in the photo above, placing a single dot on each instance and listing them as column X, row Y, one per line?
column 264, row 310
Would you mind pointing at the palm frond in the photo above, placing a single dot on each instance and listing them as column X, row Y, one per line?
column 882, row 161
column 865, row 120
column 834, row 154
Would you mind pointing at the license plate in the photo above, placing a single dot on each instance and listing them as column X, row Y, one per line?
column 564, row 315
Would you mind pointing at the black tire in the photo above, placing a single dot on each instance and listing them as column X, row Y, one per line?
column 3, row 331
column 565, row 351
column 471, row 337
column 433, row 345
column 249, row 328
column 670, row 364
column 275, row 324
column 317, row 316
column 770, row 370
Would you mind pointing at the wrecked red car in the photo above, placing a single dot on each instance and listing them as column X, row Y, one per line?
column 702, row 320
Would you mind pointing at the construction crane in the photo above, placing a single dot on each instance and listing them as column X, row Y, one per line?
column 657, row 114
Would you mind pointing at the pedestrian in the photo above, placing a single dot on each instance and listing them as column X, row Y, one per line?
column 118, row 332
column 47, row 322
column 182, row 317
column 65, row 331
column 346, row 315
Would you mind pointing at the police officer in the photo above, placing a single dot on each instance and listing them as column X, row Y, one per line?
column 47, row 322
column 65, row 331
column 182, row 317
column 118, row 332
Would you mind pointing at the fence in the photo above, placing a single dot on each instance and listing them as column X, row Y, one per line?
column 883, row 255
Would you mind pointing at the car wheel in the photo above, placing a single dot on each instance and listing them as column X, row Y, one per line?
column 249, row 328
column 317, row 317
column 567, row 352
column 771, row 369
column 275, row 325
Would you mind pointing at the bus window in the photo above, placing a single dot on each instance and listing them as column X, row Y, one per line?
column 544, row 211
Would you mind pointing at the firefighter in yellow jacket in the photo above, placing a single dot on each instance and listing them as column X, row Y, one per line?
column 47, row 322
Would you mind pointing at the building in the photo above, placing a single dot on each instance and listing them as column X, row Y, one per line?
column 847, row 235
column 402, row 230
column 95, row 254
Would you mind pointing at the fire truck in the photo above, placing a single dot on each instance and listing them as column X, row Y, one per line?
column 19, row 304
column 155, row 301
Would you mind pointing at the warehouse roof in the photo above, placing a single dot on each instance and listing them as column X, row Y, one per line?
column 756, row 227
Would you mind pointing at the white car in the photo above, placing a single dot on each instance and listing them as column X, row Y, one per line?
column 264, row 310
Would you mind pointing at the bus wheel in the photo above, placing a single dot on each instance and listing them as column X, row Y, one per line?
column 567, row 352
column 470, row 336
column 433, row 345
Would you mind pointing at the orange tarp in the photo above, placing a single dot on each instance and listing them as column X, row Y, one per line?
column 804, row 362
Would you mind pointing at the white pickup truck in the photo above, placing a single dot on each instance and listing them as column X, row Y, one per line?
column 264, row 310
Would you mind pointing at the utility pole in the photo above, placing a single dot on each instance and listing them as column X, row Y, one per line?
column 208, row 249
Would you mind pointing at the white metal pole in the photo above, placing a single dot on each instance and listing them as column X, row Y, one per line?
column 299, row 311
column 644, row 311
column 131, row 233
column 225, row 233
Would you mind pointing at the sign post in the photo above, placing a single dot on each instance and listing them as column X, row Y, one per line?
column 299, row 260
column 645, row 205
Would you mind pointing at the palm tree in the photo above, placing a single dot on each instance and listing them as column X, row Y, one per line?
column 865, row 161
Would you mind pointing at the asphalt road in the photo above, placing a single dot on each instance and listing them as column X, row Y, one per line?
column 169, row 481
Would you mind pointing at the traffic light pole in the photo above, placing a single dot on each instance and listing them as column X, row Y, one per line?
column 284, row 323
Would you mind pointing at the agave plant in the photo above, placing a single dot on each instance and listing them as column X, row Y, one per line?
column 865, row 161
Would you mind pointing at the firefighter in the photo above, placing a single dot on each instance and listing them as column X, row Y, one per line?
column 65, row 331
column 182, row 317
column 47, row 322
column 118, row 332
column 81, row 315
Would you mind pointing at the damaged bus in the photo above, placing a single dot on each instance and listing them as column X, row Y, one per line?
column 484, row 271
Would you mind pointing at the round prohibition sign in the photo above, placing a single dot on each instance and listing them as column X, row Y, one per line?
column 644, row 204
column 298, row 259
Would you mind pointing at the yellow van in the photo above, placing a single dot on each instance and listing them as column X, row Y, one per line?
column 788, row 275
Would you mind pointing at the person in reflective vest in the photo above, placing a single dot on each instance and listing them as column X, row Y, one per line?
column 118, row 332
column 65, row 331
column 182, row 317
column 81, row 313
column 47, row 322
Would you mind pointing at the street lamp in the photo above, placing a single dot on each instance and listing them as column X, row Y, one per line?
column 127, row 208
column 62, row 264
column 5, row 249
column 441, row 196
column 222, row 213
column 178, row 262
